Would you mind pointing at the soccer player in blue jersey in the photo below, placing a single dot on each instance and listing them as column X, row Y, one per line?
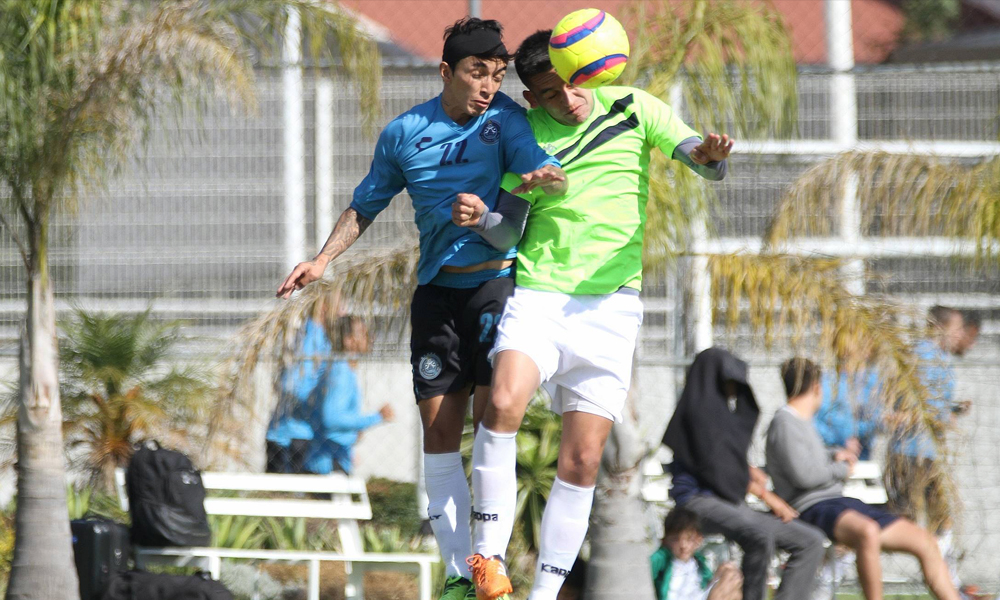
column 463, row 140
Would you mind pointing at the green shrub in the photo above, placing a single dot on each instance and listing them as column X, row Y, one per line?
column 6, row 543
column 86, row 502
column 394, row 505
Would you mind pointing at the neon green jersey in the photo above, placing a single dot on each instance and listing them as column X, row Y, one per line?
column 589, row 241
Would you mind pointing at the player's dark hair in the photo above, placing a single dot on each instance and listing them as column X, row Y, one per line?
column 532, row 56
column 938, row 316
column 972, row 320
column 469, row 26
column 680, row 520
column 799, row 375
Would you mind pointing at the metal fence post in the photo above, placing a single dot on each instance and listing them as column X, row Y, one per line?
column 844, row 126
column 294, row 141
column 324, row 159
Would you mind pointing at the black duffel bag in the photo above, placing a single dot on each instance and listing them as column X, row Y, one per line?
column 166, row 499
column 140, row 585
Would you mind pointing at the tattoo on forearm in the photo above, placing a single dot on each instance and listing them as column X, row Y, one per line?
column 349, row 228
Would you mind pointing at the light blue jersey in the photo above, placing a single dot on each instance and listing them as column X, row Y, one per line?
column 434, row 158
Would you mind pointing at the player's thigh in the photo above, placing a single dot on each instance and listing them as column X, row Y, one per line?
column 443, row 419
column 480, row 317
column 435, row 343
column 480, row 398
column 583, row 437
column 515, row 379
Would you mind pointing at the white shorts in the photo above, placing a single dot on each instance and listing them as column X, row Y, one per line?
column 582, row 345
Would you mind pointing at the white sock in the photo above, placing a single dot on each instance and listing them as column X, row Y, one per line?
column 946, row 544
column 448, row 508
column 564, row 525
column 494, row 487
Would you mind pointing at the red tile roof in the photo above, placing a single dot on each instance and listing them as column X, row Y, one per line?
column 418, row 25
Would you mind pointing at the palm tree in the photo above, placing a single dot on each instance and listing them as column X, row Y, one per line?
column 118, row 386
column 80, row 81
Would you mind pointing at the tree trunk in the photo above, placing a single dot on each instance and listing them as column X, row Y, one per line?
column 43, row 567
column 619, row 550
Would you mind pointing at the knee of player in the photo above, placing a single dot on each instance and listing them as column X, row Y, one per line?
column 580, row 462
column 438, row 438
column 506, row 406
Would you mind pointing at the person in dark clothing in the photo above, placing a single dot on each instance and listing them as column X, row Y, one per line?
column 709, row 434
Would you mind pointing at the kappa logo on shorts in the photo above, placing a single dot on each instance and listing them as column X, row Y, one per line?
column 490, row 132
column 430, row 366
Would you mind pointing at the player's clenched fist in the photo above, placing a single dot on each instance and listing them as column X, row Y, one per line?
column 467, row 210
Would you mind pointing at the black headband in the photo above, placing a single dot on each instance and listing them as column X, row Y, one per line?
column 474, row 43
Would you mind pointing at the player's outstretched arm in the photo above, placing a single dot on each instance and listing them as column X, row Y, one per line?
column 348, row 229
column 501, row 227
column 705, row 157
column 550, row 178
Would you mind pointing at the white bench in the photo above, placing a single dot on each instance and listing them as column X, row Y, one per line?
column 346, row 502
column 865, row 483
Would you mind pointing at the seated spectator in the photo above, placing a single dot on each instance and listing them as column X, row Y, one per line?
column 338, row 421
column 710, row 433
column 811, row 478
column 680, row 571
column 290, row 432
column 850, row 417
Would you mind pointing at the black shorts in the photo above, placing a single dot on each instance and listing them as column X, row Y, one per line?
column 452, row 332
column 825, row 513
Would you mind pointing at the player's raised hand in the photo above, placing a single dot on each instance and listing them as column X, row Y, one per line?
column 467, row 210
column 550, row 178
column 712, row 149
column 302, row 275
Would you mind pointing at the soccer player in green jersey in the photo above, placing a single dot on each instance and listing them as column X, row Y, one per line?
column 572, row 322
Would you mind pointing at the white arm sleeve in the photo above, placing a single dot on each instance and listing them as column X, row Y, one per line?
column 503, row 226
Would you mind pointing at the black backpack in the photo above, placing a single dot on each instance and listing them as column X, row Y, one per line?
column 139, row 585
column 166, row 499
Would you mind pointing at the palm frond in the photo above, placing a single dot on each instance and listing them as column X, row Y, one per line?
column 898, row 195
column 750, row 86
column 81, row 81
column 729, row 85
column 376, row 286
column 807, row 298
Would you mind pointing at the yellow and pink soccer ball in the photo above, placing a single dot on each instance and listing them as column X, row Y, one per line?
column 588, row 48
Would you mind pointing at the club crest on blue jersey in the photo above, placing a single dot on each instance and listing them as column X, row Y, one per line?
column 430, row 366
column 490, row 133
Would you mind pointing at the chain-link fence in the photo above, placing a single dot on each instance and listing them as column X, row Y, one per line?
column 195, row 228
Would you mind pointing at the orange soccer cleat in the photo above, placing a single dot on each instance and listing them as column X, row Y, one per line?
column 490, row 577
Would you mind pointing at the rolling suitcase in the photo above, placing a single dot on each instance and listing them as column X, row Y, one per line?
column 101, row 550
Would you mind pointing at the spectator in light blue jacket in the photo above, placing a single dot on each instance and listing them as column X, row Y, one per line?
column 290, row 432
column 338, row 420
column 850, row 416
